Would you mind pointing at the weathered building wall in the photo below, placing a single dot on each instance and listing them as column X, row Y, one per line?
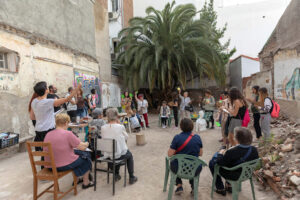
column 235, row 72
column 102, row 39
column 68, row 22
column 262, row 79
column 38, row 62
column 128, row 11
column 287, row 82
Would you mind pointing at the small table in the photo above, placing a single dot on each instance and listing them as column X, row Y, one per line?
column 75, row 128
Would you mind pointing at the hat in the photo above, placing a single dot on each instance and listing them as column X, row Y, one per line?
column 97, row 112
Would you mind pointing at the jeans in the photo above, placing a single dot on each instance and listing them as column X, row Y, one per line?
column 81, row 112
column 174, row 169
column 219, row 182
column 256, row 117
column 130, row 164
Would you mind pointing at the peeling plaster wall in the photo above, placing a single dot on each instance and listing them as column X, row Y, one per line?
column 37, row 63
column 68, row 22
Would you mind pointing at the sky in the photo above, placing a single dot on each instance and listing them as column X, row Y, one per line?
column 249, row 22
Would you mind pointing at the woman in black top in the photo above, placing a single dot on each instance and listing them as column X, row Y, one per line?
column 237, row 113
column 175, row 109
column 239, row 154
column 255, row 111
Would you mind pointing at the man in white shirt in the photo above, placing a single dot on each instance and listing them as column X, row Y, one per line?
column 71, row 106
column 116, row 131
column 142, row 107
column 185, row 102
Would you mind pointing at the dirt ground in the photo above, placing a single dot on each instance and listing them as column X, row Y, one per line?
column 16, row 175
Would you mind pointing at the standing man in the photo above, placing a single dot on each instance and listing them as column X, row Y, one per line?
column 185, row 102
column 72, row 105
column 52, row 95
column 209, row 107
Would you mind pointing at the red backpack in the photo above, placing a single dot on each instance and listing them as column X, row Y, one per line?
column 246, row 119
column 275, row 109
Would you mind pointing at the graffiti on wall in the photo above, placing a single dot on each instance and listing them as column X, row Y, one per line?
column 289, row 87
column 89, row 82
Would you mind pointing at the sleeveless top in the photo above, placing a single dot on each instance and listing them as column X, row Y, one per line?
column 241, row 113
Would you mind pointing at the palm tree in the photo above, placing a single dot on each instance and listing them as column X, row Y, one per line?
column 166, row 48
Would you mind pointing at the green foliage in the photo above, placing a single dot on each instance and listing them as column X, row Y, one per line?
column 168, row 47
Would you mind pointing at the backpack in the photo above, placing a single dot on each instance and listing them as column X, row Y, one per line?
column 275, row 109
column 246, row 118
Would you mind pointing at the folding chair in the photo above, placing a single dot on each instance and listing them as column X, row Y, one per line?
column 108, row 146
column 45, row 173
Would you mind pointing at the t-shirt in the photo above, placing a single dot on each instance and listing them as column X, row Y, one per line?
column 119, row 134
column 192, row 148
column 63, row 143
column 143, row 106
column 54, row 96
column 70, row 106
column 267, row 105
column 44, row 114
column 209, row 103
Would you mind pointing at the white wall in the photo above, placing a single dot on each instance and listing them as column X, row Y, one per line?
column 247, row 28
column 249, row 67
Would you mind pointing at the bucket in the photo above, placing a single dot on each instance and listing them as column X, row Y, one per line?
column 140, row 139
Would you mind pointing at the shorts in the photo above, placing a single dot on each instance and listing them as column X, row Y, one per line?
column 233, row 124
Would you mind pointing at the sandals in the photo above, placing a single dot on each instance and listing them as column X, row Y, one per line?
column 91, row 184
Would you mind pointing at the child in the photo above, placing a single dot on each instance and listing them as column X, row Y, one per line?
column 142, row 107
column 134, row 122
column 201, row 122
column 164, row 114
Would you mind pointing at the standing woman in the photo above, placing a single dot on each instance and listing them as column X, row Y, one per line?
column 237, row 112
column 255, row 111
column 185, row 102
column 43, row 110
column 209, row 107
column 175, row 109
column 31, row 114
column 265, row 105
column 81, row 112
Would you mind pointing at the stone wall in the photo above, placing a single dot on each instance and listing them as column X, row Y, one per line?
column 68, row 22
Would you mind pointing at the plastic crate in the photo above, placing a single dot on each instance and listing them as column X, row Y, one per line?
column 12, row 139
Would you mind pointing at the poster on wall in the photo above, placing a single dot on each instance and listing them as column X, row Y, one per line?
column 111, row 95
column 89, row 82
column 287, row 82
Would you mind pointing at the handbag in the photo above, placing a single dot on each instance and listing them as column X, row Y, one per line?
column 189, row 108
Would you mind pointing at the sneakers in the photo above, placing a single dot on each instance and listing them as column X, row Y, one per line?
column 164, row 126
column 132, row 180
column 91, row 184
column 179, row 190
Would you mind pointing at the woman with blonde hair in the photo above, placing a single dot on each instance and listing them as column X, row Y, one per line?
column 63, row 144
column 265, row 105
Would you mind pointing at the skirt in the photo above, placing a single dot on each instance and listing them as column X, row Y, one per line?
column 79, row 166
column 233, row 124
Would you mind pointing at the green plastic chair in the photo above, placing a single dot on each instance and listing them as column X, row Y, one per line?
column 247, row 171
column 187, row 166
column 169, row 119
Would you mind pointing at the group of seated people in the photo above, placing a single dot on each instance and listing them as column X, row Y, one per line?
column 188, row 143
column 69, row 152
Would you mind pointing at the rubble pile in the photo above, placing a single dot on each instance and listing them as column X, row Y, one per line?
column 280, row 168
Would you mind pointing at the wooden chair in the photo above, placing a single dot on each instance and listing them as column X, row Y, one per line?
column 46, row 174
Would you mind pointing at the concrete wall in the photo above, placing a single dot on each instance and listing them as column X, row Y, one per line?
column 68, row 22
column 39, row 62
column 235, row 71
column 287, row 82
column 249, row 67
column 102, row 39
